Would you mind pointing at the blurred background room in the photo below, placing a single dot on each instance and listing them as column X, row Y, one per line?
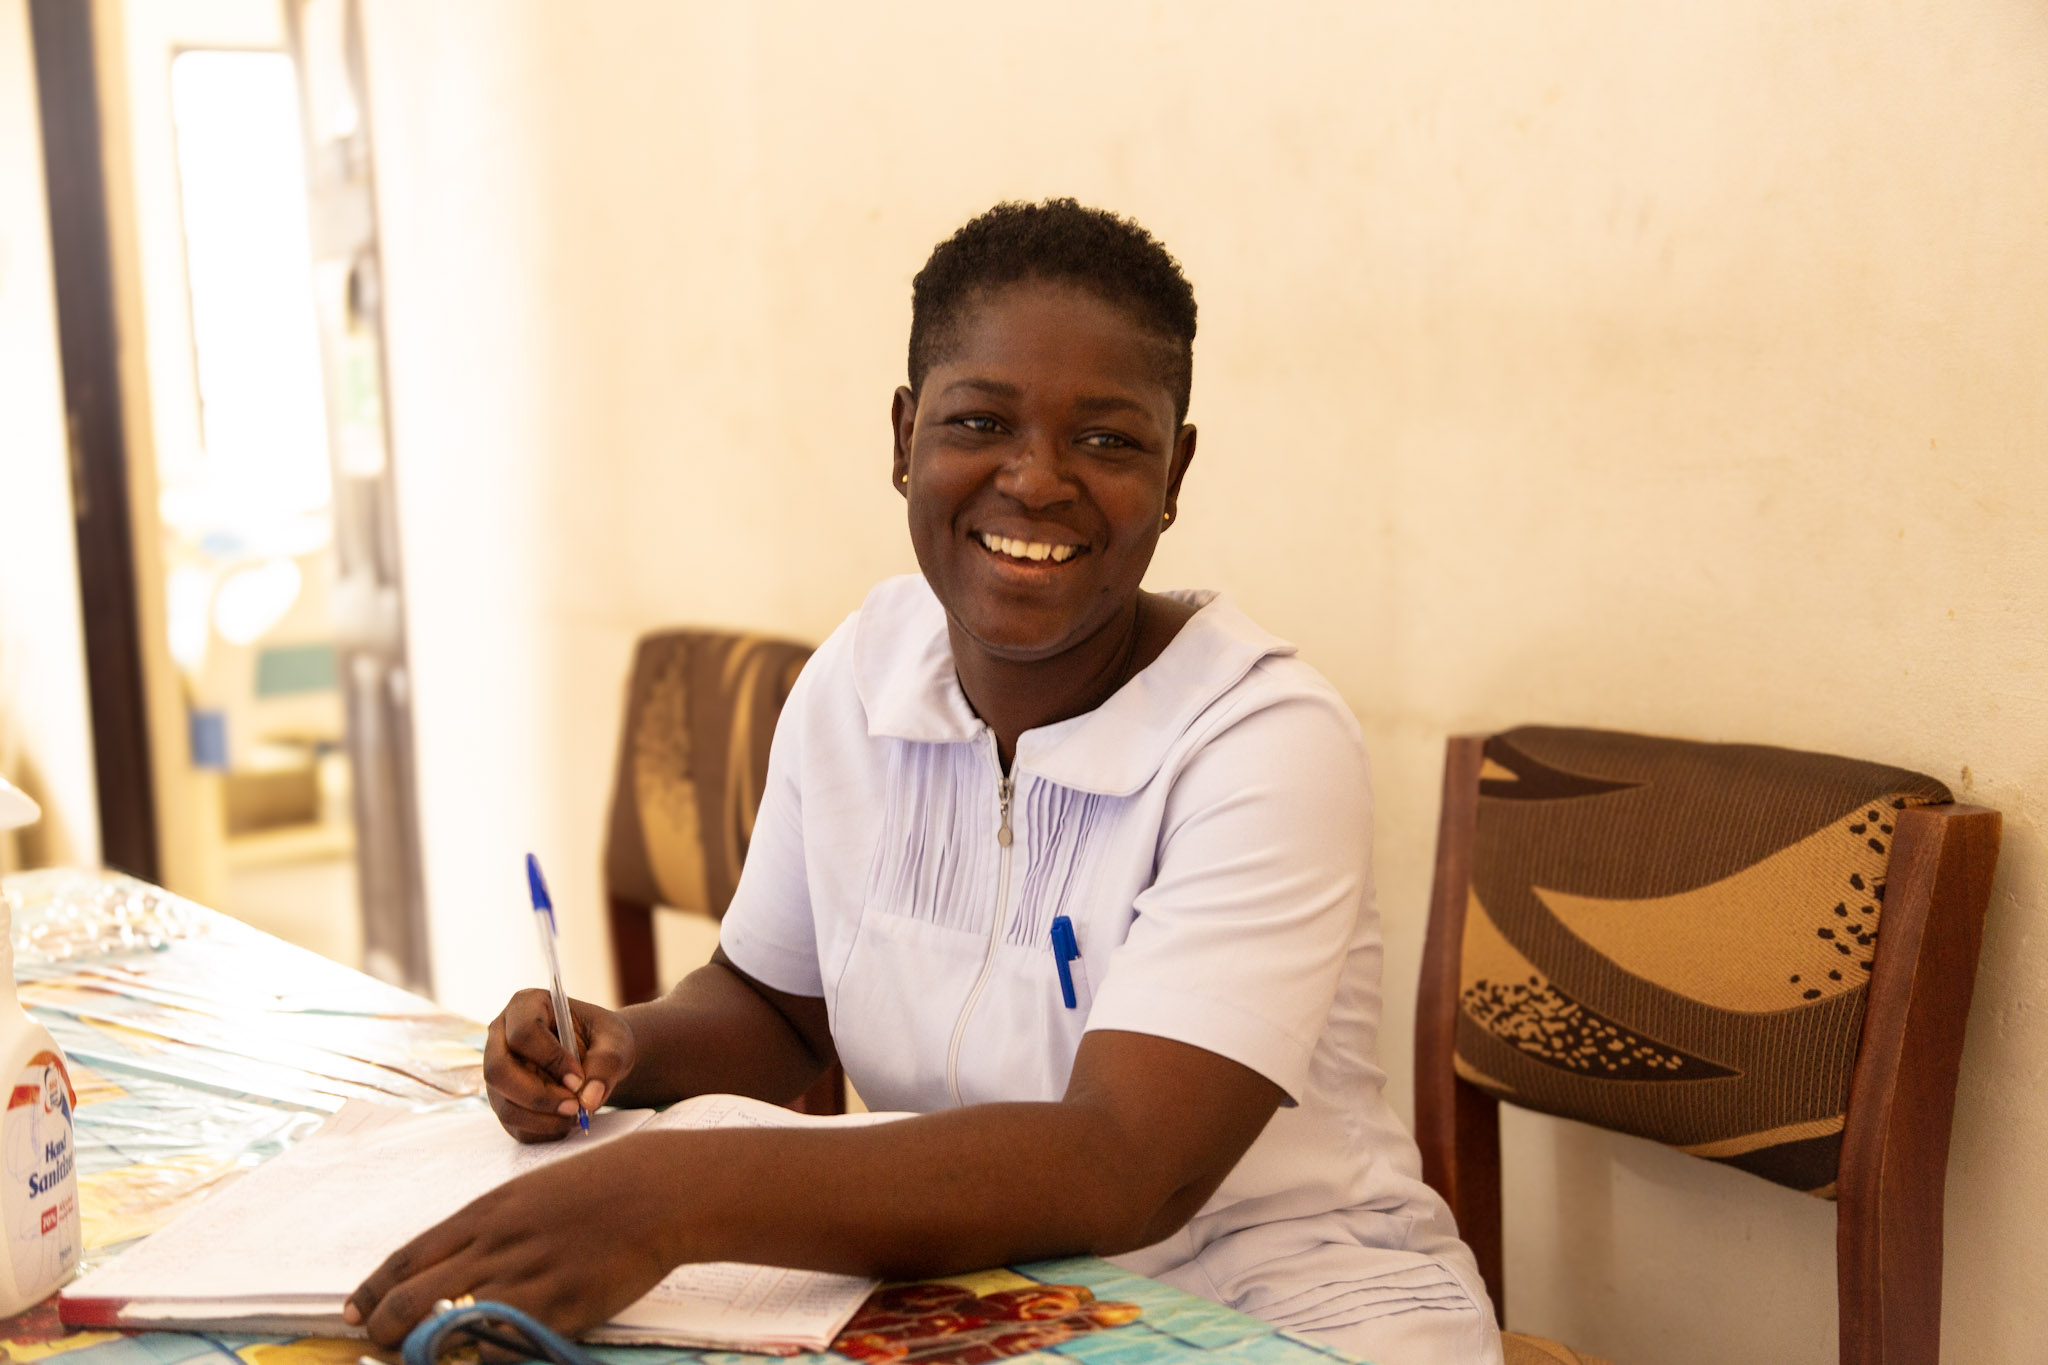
column 374, row 373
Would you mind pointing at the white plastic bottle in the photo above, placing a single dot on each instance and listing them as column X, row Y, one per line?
column 39, row 1196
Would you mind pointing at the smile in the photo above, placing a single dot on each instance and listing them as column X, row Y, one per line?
column 1035, row 551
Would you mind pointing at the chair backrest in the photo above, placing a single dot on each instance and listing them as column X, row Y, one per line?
column 693, row 762
column 1682, row 941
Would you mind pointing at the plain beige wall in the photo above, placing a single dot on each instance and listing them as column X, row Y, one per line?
column 1678, row 368
column 45, row 731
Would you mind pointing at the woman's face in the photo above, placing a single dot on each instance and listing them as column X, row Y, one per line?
column 1043, row 457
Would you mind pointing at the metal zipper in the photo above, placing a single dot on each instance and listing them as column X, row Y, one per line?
column 1006, row 787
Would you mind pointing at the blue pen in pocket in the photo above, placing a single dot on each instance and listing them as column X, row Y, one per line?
column 1064, row 951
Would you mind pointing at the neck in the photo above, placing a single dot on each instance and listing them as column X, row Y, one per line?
column 1012, row 697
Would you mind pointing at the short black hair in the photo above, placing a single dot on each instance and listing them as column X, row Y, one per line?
column 1061, row 241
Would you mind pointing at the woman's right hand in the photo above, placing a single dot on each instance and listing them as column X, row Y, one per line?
column 534, row 1088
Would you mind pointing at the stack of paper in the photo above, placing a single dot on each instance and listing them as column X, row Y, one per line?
column 281, row 1249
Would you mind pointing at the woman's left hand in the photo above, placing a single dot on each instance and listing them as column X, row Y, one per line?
column 570, row 1243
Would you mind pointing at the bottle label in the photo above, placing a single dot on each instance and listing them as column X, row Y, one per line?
column 40, row 1207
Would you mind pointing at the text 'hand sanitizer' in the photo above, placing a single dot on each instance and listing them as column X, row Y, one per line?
column 39, row 1197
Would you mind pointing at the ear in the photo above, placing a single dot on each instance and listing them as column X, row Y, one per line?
column 902, row 423
column 1183, row 456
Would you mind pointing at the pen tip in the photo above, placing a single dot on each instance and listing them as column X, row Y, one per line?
column 583, row 1119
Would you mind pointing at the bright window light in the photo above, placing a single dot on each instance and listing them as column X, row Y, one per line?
column 253, row 600
column 241, row 175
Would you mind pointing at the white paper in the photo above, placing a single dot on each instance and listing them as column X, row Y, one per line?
column 314, row 1222
column 293, row 1238
column 726, row 1302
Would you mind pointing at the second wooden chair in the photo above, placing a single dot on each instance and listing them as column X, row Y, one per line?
column 1759, row 956
column 701, row 708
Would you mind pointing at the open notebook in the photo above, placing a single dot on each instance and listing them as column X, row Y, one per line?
column 281, row 1249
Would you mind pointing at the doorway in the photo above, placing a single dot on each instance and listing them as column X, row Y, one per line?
column 242, row 265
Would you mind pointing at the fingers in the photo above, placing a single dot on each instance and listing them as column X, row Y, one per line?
column 529, row 1022
column 535, row 1087
column 608, row 1051
column 532, row 1104
column 531, row 1125
column 403, row 1289
column 515, row 1271
column 514, row 1245
column 528, row 1288
column 407, row 1302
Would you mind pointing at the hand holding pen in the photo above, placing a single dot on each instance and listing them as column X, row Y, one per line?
column 543, row 1082
column 565, row 1020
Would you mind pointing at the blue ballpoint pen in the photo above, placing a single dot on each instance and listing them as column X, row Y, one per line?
column 1064, row 950
column 565, row 1024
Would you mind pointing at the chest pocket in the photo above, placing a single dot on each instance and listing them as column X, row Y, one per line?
column 937, row 988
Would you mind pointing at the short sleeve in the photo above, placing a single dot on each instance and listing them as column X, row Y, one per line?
column 1264, row 870
column 768, row 930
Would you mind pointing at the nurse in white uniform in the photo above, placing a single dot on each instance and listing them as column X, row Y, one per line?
column 1076, row 872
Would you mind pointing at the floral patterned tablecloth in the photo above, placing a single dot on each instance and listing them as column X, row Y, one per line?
column 200, row 1047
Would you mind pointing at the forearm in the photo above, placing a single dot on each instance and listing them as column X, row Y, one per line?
column 937, row 1194
column 1146, row 1132
column 715, row 1033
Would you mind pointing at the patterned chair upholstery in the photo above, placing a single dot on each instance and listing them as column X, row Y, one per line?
column 693, row 761
column 701, row 709
column 1761, row 957
column 1673, row 939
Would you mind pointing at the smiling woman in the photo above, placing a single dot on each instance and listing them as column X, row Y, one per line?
column 1041, row 444
column 1076, row 873
column 1041, row 464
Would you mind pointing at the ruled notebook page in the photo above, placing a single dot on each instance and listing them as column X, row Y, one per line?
column 313, row 1222
column 288, row 1242
column 727, row 1303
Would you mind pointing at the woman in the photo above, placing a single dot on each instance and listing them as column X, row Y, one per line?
column 1077, row 872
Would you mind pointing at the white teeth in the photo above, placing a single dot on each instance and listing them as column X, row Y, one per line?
column 1028, row 549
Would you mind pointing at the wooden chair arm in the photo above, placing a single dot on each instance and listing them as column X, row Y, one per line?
column 1902, row 1096
column 1457, row 1125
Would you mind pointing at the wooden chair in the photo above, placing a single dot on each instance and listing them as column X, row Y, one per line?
column 693, row 761
column 1616, row 908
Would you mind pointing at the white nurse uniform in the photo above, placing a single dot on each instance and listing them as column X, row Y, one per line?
column 1205, row 835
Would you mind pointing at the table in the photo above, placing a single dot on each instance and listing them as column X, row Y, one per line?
column 200, row 1047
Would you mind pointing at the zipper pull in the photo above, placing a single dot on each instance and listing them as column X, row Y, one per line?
column 1003, row 790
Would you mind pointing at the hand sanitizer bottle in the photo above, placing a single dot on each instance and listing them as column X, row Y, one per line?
column 38, row 1176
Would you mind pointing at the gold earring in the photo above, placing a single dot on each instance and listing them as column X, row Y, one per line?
column 904, row 479
column 1166, row 520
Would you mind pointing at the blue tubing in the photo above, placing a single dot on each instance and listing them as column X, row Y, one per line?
column 423, row 1343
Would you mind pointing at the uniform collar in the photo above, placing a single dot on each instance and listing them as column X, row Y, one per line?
column 903, row 671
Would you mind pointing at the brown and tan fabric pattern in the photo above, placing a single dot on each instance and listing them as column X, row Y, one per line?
column 700, row 713
column 1673, row 939
column 1518, row 1348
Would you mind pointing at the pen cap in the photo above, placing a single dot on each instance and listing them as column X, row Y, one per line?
column 1064, row 945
